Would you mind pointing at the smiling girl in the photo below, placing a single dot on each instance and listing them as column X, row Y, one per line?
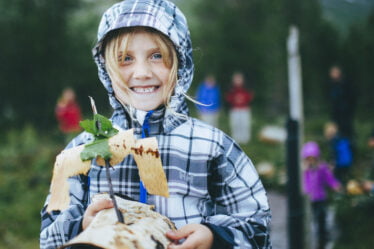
column 144, row 58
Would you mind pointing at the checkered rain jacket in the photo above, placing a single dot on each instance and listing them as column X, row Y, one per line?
column 211, row 181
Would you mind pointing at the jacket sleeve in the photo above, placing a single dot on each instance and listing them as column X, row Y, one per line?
column 306, row 182
column 59, row 227
column 329, row 177
column 241, row 205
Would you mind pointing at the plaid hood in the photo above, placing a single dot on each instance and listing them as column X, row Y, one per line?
column 163, row 16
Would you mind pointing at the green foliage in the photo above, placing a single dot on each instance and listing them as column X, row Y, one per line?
column 48, row 47
column 95, row 149
column 345, row 13
column 32, row 47
column 355, row 219
column 42, row 53
column 358, row 63
column 25, row 171
column 105, row 130
column 102, row 129
column 248, row 36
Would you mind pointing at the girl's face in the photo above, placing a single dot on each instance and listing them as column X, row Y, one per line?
column 144, row 73
column 311, row 161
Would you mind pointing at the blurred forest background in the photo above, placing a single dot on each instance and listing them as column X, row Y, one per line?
column 45, row 46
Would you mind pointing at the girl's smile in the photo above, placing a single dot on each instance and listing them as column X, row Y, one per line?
column 144, row 90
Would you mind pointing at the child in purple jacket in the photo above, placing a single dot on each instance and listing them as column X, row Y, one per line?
column 317, row 178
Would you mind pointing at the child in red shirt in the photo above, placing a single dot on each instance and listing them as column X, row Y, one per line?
column 239, row 99
column 68, row 112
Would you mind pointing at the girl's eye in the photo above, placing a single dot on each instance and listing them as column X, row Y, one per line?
column 127, row 58
column 157, row 56
column 124, row 60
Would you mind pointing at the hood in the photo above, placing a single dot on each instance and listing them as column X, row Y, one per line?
column 163, row 16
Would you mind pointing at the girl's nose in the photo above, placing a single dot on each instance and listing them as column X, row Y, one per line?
column 142, row 70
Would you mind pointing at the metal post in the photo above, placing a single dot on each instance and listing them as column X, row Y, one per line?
column 296, row 210
column 295, row 200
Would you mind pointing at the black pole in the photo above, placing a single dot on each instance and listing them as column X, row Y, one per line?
column 295, row 202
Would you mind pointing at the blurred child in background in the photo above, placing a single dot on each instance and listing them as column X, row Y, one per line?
column 342, row 99
column 68, row 113
column 317, row 178
column 208, row 94
column 239, row 98
column 342, row 152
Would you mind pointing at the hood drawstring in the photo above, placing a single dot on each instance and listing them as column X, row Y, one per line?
column 145, row 133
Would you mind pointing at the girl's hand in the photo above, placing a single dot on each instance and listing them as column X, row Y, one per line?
column 93, row 209
column 196, row 236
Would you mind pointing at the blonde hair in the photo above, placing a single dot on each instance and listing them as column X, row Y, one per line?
column 115, row 48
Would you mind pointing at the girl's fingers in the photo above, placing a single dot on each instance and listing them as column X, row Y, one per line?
column 93, row 209
column 99, row 205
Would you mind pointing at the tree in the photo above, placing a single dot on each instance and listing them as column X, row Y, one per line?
column 319, row 49
column 358, row 63
column 243, row 35
column 32, row 57
column 46, row 47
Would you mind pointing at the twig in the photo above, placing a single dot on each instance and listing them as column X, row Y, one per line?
column 111, row 192
column 107, row 167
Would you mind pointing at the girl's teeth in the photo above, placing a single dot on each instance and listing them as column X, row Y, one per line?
column 145, row 90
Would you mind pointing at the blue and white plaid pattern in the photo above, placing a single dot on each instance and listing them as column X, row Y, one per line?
column 210, row 179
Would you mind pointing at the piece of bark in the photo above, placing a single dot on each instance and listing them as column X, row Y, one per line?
column 145, row 151
column 143, row 228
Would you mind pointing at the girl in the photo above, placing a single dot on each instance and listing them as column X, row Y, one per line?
column 317, row 178
column 217, row 200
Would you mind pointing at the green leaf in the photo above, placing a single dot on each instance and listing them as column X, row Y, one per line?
column 96, row 148
column 89, row 126
column 107, row 130
column 102, row 129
